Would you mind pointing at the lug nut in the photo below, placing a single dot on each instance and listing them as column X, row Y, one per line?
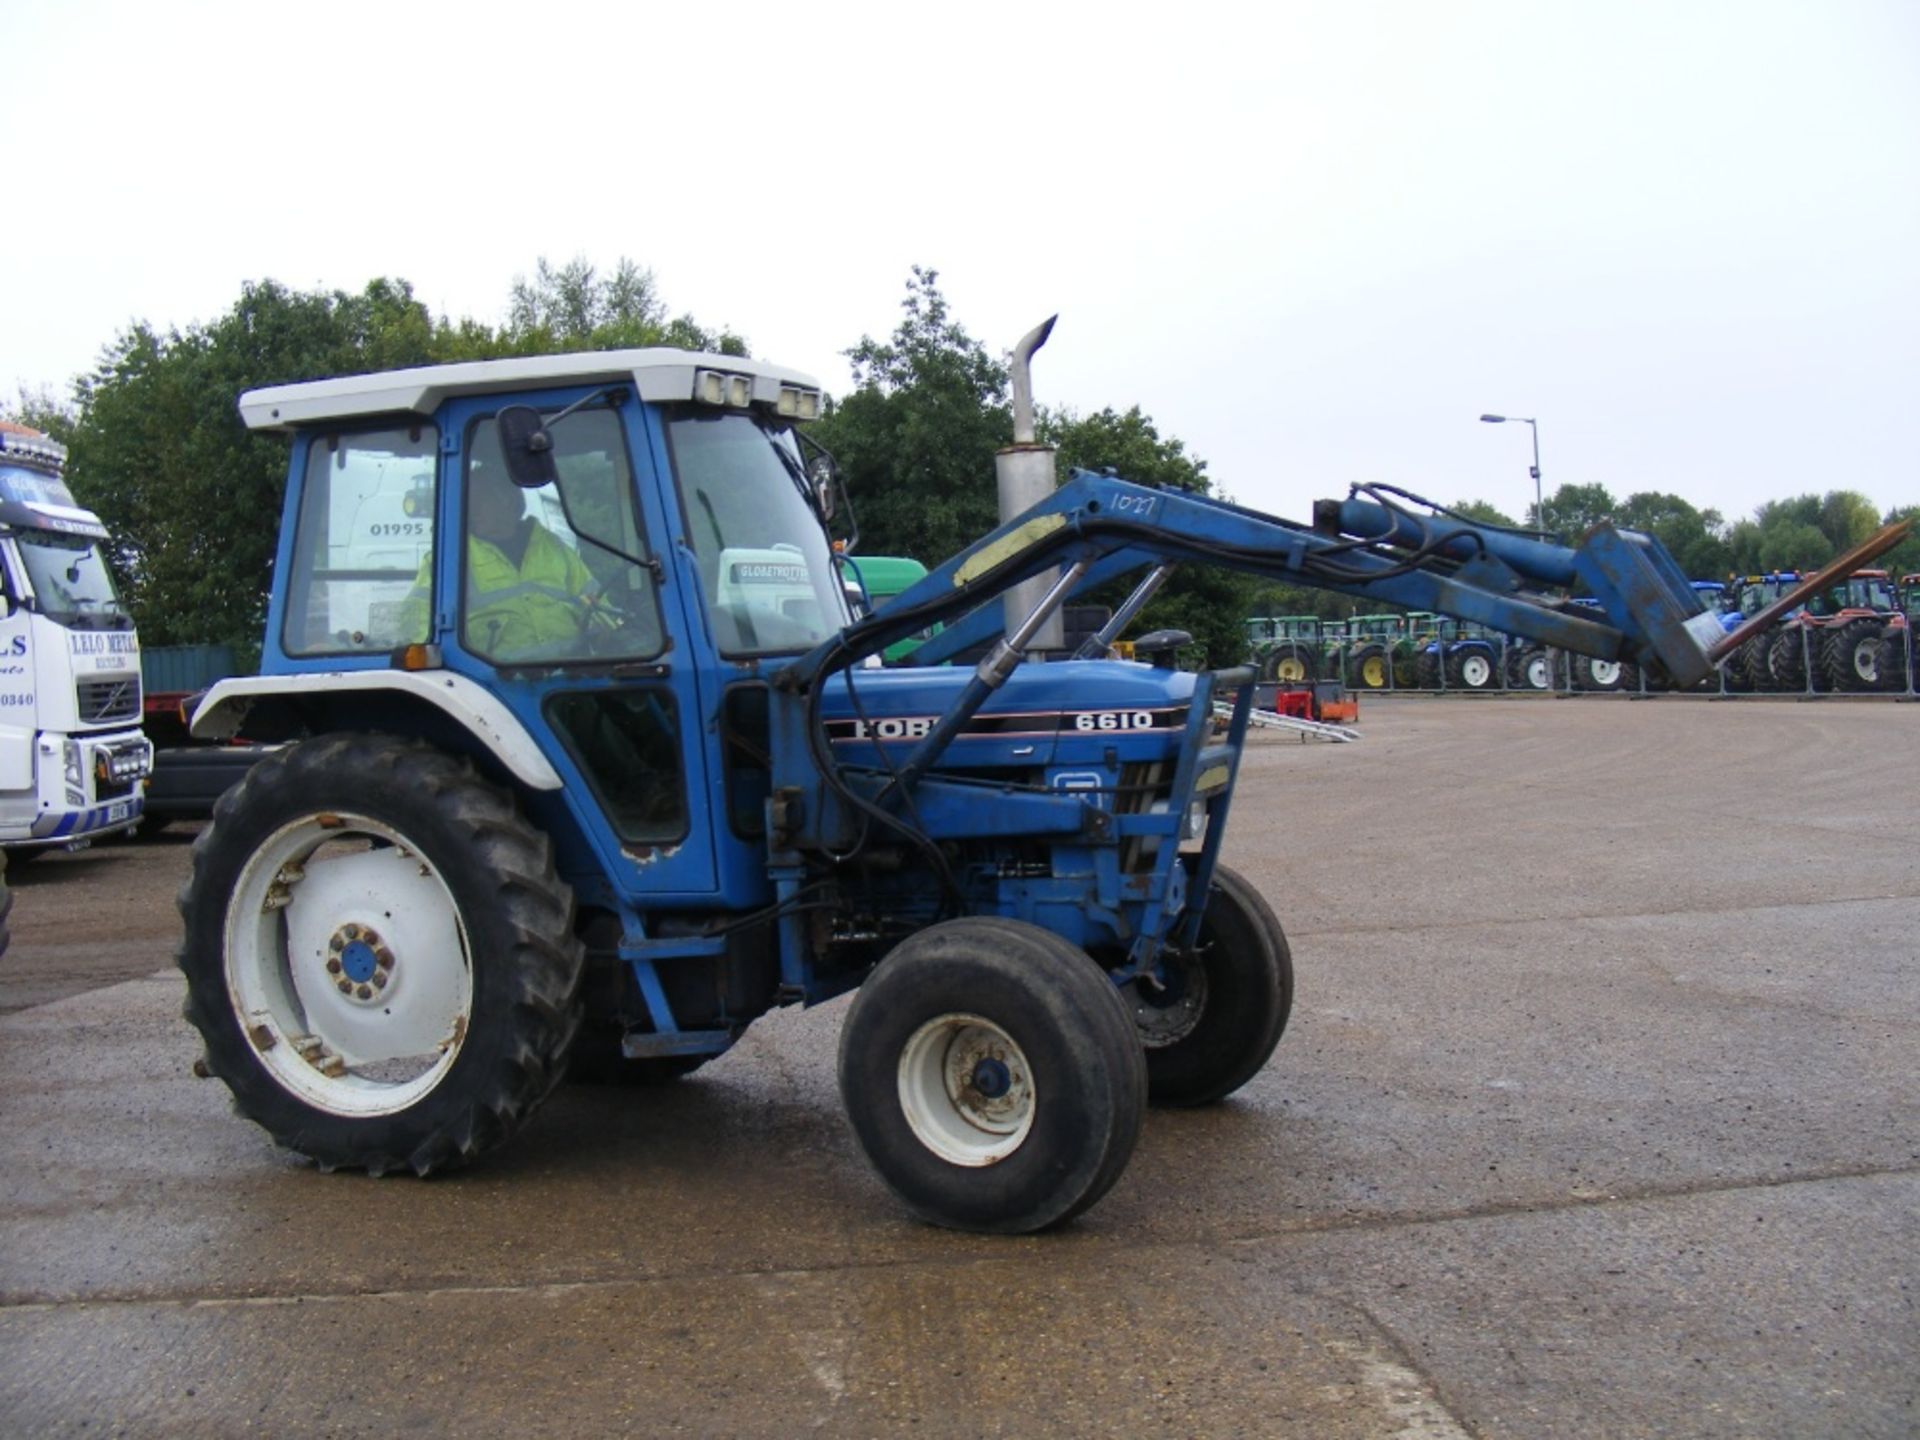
column 333, row 967
column 365, row 992
column 346, row 986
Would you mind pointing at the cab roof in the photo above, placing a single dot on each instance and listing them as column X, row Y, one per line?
column 657, row 375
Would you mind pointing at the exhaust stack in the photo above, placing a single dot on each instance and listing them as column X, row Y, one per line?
column 1025, row 474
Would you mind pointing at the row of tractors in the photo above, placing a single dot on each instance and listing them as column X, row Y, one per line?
column 1857, row 636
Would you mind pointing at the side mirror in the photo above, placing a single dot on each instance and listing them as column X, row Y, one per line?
column 527, row 447
column 826, row 486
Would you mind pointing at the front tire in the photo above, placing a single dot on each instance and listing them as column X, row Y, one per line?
column 1607, row 676
column 1214, row 1024
column 992, row 1076
column 379, row 955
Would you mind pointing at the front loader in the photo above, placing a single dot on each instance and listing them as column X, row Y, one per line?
column 609, row 816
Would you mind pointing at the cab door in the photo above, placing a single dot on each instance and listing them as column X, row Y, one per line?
column 553, row 598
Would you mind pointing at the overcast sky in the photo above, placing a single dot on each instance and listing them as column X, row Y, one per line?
column 1314, row 241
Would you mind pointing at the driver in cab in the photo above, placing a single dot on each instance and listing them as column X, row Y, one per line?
column 528, row 594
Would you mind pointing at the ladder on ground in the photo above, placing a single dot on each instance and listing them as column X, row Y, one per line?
column 1305, row 729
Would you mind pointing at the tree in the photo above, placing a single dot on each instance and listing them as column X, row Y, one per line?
column 575, row 307
column 915, row 439
column 1690, row 536
column 1482, row 511
column 1572, row 510
column 1904, row 558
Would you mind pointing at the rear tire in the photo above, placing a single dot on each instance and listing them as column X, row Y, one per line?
column 1426, row 670
column 1892, row 660
column 1528, row 668
column 1472, row 669
column 1755, row 669
column 1225, row 1005
column 1289, row 663
column 1787, row 659
column 1371, row 669
column 379, row 955
column 992, row 1076
column 1607, row 676
column 1851, row 656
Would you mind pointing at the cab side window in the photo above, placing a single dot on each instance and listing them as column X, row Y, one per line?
column 557, row 573
column 364, row 534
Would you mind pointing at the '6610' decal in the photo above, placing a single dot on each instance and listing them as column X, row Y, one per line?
column 1048, row 722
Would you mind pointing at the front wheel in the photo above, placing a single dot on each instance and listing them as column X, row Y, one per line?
column 1213, row 1023
column 991, row 1076
column 379, row 955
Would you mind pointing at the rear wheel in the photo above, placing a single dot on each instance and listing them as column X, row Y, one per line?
column 1528, row 668
column 1472, row 669
column 1605, row 675
column 1289, row 663
column 379, row 955
column 1787, row 659
column 1851, row 655
column 1371, row 669
column 1755, row 670
column 992, row 1076
column 1426, row 670
column 1892, row 660
column 1213, row 1024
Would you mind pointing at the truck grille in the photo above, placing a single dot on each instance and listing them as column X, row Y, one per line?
column 105, row 700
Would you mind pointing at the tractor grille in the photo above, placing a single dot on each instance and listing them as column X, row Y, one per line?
column 102, row 701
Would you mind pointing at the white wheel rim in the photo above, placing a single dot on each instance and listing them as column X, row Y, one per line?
column 966, row 1090
column 1537, row 672
column 1476, row 670
column 1866, row 660
column 1606, row 672
column 347, row 965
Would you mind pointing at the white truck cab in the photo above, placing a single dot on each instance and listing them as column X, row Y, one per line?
column 73, row 761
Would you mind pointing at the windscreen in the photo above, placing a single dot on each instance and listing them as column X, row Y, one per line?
column 71, row 583
column 766, row 572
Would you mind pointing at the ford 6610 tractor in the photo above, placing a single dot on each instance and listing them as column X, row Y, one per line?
column 575, row 782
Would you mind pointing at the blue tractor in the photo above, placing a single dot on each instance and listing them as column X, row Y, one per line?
column 587, row 771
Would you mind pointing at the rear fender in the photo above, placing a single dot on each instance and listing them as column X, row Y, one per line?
column 333, row 699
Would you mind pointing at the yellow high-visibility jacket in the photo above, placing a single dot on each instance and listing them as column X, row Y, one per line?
column 513, row 609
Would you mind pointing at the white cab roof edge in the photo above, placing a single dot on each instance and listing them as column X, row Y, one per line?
column 658, row 375
column 220, row 714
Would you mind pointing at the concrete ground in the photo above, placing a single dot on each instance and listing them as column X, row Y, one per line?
column 1599, row 1115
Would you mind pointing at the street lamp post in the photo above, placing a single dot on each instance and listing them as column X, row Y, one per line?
column 1539, row 505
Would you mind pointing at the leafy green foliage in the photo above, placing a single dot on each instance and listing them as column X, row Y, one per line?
column 1482, row 511
column 1693, row 537
column 915, row 440
column 575, row 307
column 1572, row 510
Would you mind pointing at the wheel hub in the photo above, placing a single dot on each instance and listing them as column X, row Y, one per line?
column 359, row 962
column 1166, row 1013
column 966, row 1089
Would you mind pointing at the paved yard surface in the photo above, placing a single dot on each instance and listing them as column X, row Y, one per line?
column 1599, row 1116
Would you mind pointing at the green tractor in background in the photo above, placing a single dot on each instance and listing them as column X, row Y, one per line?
column 1380, row 652
column 1287, row 649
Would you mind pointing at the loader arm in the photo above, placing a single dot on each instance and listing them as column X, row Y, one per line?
column 1375, row 549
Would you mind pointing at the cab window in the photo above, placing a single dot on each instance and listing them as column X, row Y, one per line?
column 364, row 532
column 558, row 573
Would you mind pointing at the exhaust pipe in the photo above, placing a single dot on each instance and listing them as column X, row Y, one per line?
column 1025, row 475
